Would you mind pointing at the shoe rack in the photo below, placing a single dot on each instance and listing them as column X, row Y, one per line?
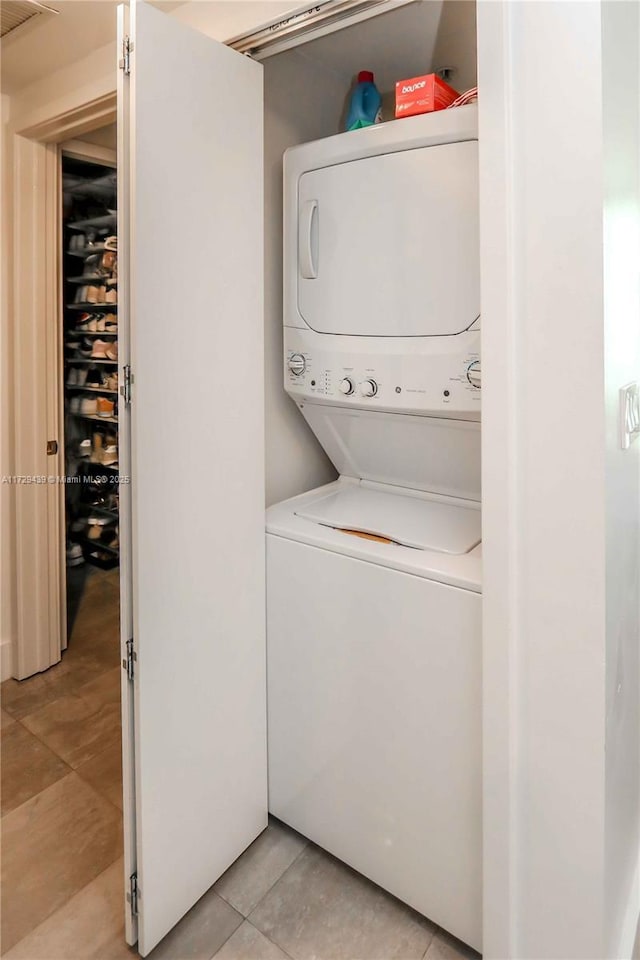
column 90, row 330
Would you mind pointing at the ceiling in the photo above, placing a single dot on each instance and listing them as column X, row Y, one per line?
column 410, row 41
column 394, row 45
column 47, row 43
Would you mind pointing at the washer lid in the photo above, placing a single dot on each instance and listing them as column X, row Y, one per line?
column 410, row 521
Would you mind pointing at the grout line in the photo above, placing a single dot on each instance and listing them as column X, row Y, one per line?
column 62, row 906
column 270, row 939
column 267, row 892
column 242, row 920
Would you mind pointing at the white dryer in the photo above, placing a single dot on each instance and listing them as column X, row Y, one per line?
column 374, row 581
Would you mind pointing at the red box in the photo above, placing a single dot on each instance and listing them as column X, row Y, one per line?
column 423, row 95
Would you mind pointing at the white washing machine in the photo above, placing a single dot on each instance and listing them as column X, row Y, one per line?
column 374, row 581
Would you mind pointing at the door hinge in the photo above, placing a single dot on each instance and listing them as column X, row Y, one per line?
column 128, row 663
column 125, row 389
column 133, row 894
column 52, row 447
column 125, row 61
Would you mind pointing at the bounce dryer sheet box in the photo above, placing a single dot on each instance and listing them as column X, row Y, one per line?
column 423, row 95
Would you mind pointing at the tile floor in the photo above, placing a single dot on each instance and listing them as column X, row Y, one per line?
column 61, row 826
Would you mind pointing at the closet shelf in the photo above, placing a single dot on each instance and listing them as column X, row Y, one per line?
column 91, row 333
column 104, row 307
column 75, row 386
column 87, row 251
column 93, row 544
column 101, row 511
column 112, row 363
column 96, row 463
column 102, row 188
column 98, row 278
column 107, row 220
column 94, row 417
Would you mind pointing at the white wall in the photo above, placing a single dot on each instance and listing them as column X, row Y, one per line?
column 560, row 503
column 295, row 460
column 621, row 84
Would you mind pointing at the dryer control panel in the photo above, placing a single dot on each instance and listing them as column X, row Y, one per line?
column 429, row 376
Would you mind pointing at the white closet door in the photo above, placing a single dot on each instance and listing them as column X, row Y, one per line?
column 192, row 170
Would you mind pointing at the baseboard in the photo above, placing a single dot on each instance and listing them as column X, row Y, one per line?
column 629, row 928
column 6, row 657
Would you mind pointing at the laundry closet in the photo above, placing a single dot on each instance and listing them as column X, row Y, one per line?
column 352, row 711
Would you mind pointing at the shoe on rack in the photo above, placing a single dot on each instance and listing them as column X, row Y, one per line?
column 92, row 266
column 82, row 376
column 72, row 379
column 89, row 406
column 111, row 243
column 94, row 378
column 105, row 407
column 110, row 323
column 108, row 262
column 111, row 382
column 100, row 323
column 72, row 345
column 111, row 351
column 87, row 323
column 85, row 349
column 94, row 527
column 75, row 557
column 81, row 295
column 74, row 405
column 99, row 351
column 84, row 448
column 110, row 455
column 98, row 450
column 111, row 295
column 95, row 294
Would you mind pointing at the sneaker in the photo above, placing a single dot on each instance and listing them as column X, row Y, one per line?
column 111, row 351
column 111, row 243
column 105, row 407
column 92, row 266
column 72, row 379
column 89, row 406
column 99, row 349
column 81, row 295
column 88, row 323
column 110, row 455
column 84, row 448
column 100, row 323
column 75, row 556
column 94, row 294
column 74, row 405
column 98, row 450
column 93, row 378
column 110, row 323
column 111, row 296
column 111, row 382
column 81, row 376
column 85, row 349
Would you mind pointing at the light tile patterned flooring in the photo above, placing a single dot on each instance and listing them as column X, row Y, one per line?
column 62, row 883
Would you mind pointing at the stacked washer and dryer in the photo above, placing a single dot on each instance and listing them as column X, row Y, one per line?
column 374, row 581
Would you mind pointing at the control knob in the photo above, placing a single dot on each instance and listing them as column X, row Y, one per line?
column 297, row 364
column 474, row 374
column 368, row 388
column 346, row 387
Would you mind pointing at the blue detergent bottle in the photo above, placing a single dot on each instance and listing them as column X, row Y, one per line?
column 365, row 104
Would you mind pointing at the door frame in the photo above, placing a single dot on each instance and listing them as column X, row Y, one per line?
column 34, row 584
column 35, row 357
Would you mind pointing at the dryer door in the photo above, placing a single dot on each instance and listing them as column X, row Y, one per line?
column 388, row 246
